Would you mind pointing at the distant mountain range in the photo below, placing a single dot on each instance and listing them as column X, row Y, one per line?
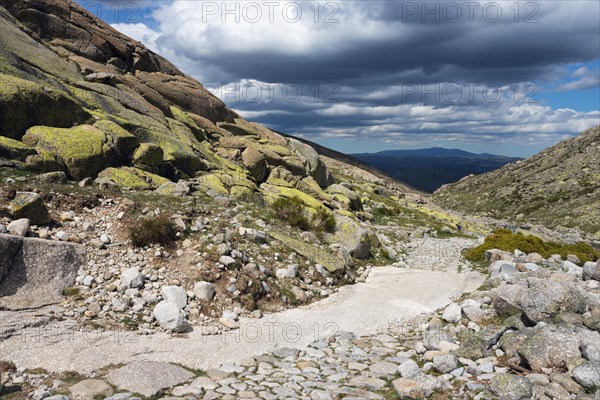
column 429, row 169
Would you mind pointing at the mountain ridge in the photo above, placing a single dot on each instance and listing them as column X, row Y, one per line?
column 559, row 186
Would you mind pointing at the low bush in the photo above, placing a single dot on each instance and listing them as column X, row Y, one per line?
column 323, row 221
column 291, row 211
column 148, row 231
column 506, row 240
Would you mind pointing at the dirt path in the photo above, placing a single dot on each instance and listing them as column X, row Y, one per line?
column 390, row 295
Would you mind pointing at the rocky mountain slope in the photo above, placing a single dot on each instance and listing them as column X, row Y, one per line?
column 558, row 187
column 79, row 97
column 103, row 142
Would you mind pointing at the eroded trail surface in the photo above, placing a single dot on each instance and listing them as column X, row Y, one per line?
column 389, row 295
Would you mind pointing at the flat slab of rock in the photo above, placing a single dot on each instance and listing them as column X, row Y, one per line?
column 89, row 389
column 148, row 378
column 36, row 271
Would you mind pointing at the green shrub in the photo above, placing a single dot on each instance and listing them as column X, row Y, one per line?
column 147, row 231
column 506, row 240
column 291, row 210
column 323, row 221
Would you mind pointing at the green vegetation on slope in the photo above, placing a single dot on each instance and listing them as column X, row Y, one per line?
column 506, row 240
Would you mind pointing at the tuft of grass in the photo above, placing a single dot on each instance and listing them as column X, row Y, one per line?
column 506, row 240
column 147, row 231
column 323, row 221
column 291, row 210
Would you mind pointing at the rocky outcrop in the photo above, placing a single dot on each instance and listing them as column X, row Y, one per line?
column 35, row 272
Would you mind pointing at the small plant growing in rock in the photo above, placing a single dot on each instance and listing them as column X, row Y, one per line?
column 323, row 221
column 291, row 211
column 147, row 231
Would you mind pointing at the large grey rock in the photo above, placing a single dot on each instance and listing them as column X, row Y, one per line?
column 506, row 300
column 452, row 313
column 351, row 236
column 90, row 389
column 132, row 278
column 174, row 294
column 418, row 388
column 511, row 387
column 545, row 299
column 31, row 206
column 170, row 316
column 204, row 291
column 551, row 345
column 38, row 271
column 409, row 369
column 9, row 246
column 502, row 268
column 18, row 227
column 148, row 378
column 314, row 165
column 287, row 273
column 588, row 375
column 445, row 363
column 591, row 270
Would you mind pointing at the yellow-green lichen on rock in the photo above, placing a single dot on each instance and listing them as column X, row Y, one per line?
column 24, row 104
column 272, row 192
column 311, row 252
column 181, row 154
column 148, row 154
column 219, row 183
column 81, row 149
column 133, row 178
column 352, row 236
column 122, row 140
column 212, row 183
column 185, row 119
column 14, row 150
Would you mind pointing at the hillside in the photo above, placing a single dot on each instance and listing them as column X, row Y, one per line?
column 429, row 169
column 107, row 145
column 558, row 187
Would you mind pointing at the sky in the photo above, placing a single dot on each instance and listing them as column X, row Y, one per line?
column 509, row 78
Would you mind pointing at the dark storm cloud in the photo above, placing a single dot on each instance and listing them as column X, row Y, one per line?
column 395, row 68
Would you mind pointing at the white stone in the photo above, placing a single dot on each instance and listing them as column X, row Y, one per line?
column 452, row 313
column 175, row 295
column 132, row 278
column 19, row 227
column 170, row 316
column 204, row 291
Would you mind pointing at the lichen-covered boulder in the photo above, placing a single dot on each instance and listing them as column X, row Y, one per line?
column 84, row 150
column 350, row 235
column 511, row 387
column 148, row 154
column 181, row 153
column 31, row 206
column 354, row 201
column 132, row 178
column 551, row 345
column 173, row 189
column 14, row 150
column 314, row 165
column 255, row 162
column 311, row 252
column 24, row 104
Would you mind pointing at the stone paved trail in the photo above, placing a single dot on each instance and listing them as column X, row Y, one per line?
column 389, row 295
